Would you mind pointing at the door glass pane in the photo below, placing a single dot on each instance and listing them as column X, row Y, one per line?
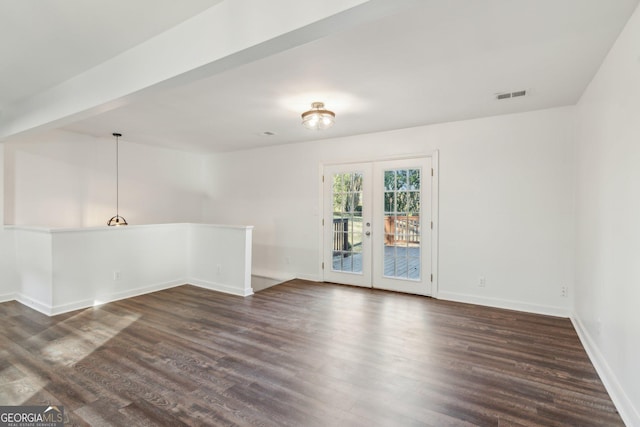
column 356, row 245
column 346, row 180
column 401, row 251
column 413, row 203
column 389, row 264
column 348, row 202
column 401, row 201
column 402, row 224
column 357, row 181
column 337, row 204
column 389, row 201
column 414, row 179
column 347, row 222
column 389, row 180
column 401, row 180
column 401, row 268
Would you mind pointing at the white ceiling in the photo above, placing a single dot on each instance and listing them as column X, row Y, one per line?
column 45, row 42
column 443, row 60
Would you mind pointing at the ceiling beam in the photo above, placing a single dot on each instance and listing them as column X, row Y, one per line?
column 228, row 35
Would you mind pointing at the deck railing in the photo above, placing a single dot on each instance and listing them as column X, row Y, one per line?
column 341, row 234
column 402, row 230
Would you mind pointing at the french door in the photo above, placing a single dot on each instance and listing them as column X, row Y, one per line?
column 378, row 225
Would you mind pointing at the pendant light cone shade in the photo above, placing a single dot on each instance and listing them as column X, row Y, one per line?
column 117, row 219
column 318, row 118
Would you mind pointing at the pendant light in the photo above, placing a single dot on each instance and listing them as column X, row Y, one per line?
column 117, row 219
column 318, row 118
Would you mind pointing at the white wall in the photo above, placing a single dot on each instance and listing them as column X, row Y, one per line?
column 506, row 203
column 8, row 272
column 34, row 279
column 220, row 258
column 66, row 269
column 607, row 291
column 147, row 258
column 63, row 179
column 8, row 279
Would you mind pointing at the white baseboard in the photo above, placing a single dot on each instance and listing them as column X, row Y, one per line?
column 273, row 275
column 212, row 286
column 284, row 276
column 503, row 303
column 103, row 299
column 628, row 412
column 260, row 283
column 34, row 304
column 264, row 279
column 310, row 277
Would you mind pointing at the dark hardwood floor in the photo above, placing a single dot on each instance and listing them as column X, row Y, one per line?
column 300, row 354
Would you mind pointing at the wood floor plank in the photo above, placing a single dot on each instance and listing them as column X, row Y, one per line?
column 301, row 354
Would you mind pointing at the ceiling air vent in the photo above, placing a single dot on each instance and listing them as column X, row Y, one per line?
column 507, row 95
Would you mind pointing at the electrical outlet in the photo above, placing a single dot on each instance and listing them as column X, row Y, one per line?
column 564, row 291
column 287, row 260
column 218, row 269
column 482, row 282
column 116, row 275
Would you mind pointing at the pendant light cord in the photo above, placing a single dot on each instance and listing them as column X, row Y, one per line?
column 117, row 219
column 117, row 176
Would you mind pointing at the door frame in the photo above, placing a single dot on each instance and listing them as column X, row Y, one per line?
column 434, row 207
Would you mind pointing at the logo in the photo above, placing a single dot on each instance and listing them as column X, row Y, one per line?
column 32, row 416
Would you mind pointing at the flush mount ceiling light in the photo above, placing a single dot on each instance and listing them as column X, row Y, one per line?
column 318, row 118
column 117, row 219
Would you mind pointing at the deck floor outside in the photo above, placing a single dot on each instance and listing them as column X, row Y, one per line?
column 399, row 262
